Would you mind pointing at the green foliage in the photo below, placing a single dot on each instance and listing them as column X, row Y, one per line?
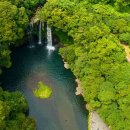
column 28, row 5
column 42, row 91
column 14, row 20
column 13, row 23
column 97, row 27
column 12, row 112
column 63, row 36
column 107, row 93
column 125, row 37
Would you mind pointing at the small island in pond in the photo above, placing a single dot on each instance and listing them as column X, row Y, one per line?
column 42, row 91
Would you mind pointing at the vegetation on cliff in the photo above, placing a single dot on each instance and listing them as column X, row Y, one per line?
column 97, row 28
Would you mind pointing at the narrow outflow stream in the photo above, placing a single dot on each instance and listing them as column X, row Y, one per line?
column 64, row 110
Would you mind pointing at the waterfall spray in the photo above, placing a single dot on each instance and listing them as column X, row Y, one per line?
column 49, row 39
column 30, row 38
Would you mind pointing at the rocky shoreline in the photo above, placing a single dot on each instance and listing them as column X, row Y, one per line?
column 79, row 90
column 66, row 65
column 94, row 122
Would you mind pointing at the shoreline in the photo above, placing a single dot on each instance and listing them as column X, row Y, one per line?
column 94, row 120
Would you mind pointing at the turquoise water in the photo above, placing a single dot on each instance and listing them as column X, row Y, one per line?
column 64, row 110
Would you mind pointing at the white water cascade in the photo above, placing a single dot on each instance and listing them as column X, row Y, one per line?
column 30, row 38
column 40, row 33
column 49, row 39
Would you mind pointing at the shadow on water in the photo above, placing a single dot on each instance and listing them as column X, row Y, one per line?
column 64, row 110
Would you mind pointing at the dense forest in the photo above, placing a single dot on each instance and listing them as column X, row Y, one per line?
column 13, row 107
column 92, row 31
column 14, row 19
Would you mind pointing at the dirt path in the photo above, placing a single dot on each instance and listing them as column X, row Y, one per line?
column 127, row 50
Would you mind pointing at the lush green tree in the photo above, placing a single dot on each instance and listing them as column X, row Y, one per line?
column 97, row 28
column 13, row 107
column 14, row 20
column 29, row 5
column 13, row 23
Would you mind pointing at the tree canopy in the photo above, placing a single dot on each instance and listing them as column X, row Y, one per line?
column 14, row 19
column 13, row 107
column 95, row 56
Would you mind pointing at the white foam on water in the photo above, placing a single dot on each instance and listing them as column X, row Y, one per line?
column 50, row 47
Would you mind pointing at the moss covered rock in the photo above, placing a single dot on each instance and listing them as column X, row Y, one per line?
column 42, row 91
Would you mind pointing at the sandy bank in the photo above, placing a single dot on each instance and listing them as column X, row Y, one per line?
column 96, row 123
column 127, row 51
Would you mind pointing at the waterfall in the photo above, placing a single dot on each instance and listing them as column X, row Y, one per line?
column 49, row 39
column 30, row 38
column 40, row 33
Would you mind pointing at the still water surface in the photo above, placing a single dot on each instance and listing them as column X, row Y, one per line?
column 64, row 110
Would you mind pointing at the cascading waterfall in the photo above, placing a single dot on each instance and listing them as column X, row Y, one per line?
column 49, row 39
column 40, row 33
column 30, row 38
